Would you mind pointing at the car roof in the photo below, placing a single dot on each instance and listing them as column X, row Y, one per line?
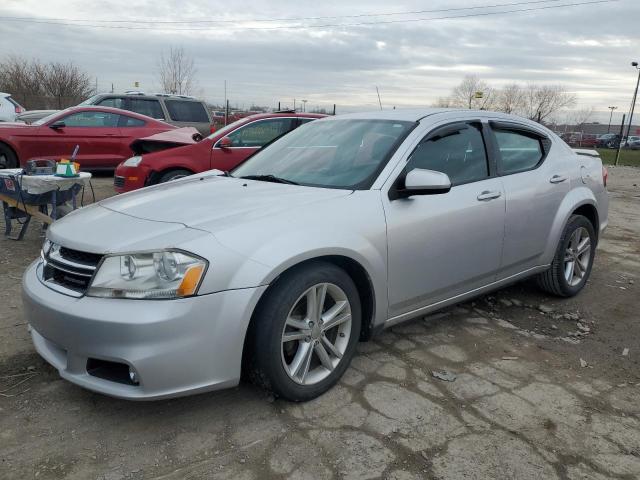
column 416, row 114
column 147, row 96
column 118, row 111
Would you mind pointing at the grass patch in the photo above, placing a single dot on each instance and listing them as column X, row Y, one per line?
column 627, row 157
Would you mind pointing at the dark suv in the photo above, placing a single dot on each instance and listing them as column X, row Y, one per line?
column 608, row 140
column 178, row 110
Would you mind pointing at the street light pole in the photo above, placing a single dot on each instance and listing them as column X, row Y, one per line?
column 610, row 117
column 633, row 103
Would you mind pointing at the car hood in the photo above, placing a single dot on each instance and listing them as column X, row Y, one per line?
column 165, row 140
column 212, row 203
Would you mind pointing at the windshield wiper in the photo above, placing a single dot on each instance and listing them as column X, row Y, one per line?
column 269, row 178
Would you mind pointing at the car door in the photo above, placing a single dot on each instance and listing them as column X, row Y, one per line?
column 443, row 245
column 95, row 132
column 247, row 139
column 536, row 179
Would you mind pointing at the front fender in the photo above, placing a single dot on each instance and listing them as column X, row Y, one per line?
column 574, row 199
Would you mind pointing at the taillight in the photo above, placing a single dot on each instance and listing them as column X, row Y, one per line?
column 19, row 109
column 605, row 175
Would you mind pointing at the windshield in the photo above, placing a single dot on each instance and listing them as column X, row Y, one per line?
column 333, row 153
column 44, row 120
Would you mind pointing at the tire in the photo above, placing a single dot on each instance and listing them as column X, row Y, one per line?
column 174, row 175
column 556, row 280
column 274, row 360
column 8, row 158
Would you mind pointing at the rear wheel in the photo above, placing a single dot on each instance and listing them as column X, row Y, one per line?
column 8, row 159
column 174, row 175
column 572, row 263
column 306, row 331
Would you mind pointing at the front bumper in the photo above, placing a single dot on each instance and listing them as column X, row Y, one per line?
column 127, row 179
column 176, row 347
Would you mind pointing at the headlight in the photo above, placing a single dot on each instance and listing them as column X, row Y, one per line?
column 149, row 275
column 133, row 161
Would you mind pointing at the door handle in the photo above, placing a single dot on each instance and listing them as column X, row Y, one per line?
column 558, row 178
column 487, row 195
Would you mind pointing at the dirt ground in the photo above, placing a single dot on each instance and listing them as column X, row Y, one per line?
column 543, row 388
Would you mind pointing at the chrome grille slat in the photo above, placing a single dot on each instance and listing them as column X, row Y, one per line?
column 67, row 270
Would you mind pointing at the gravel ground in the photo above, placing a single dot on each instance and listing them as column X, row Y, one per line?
column 541, row 389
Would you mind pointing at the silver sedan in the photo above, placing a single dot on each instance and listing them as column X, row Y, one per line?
column 342, row 228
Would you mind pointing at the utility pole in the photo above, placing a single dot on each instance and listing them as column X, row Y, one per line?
column 294, row 104
column 304, row 105
column 226, row 104
column 620, row 142
column 635, row 96
column 379, row 101
column 610, row 117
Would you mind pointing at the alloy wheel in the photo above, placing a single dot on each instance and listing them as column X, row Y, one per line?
column 316, row 334
column 577, row 256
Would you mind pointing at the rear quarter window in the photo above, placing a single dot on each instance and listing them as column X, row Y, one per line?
column 185, row 111
column 144, row 106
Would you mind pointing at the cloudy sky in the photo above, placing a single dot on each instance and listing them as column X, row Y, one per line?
column 279, row 50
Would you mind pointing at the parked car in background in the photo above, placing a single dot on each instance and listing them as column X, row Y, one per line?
column 224, row 149
column 103, row 135
column 9, row 108
column 334, row 232
column 178, row 110
column 627, row 142
column 608, row 140
column 32, row 116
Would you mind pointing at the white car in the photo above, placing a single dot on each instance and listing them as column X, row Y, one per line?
column 9, row 108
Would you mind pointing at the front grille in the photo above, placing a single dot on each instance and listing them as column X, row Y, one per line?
column 118, row 181
column 69, row 269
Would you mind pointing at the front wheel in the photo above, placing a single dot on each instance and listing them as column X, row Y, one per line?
column 8, row 159
column 174, row 175
column 306, row 331
column 572, row 263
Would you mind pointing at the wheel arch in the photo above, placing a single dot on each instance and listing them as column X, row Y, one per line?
column 579, row 201
column 155, row 175
column 11, row 147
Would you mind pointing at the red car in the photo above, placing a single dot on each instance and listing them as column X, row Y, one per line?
column 223, row 149
column 102, row 133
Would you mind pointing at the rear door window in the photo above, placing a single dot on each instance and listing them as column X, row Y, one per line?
column 143, row 106
column 519, row 151
column 258, row 134
column 185, row 111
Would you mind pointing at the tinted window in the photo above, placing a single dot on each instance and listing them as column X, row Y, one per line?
column 260, row 133
column 126, row 121
column 183, row 111
column 519, row 151
column 150, row 108
column 91, row 119
column 112, row 102
column 459, row 153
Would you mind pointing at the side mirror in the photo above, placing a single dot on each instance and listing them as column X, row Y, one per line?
column 57, row 125
column 424, row 182
column 225, row 142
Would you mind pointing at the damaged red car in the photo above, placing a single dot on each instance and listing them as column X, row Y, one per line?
column 103, row 136
column 157, row 162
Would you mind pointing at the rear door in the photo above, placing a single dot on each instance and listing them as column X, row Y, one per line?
column 96, row 133
column 185, row 113
column 248, row 139
column 536, row 179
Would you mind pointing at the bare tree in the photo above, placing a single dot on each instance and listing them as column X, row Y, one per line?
column 472, row 92
column 542, row 101
column 509, row 99
column 38, row 85
column 176, row 72
column 65, row 84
